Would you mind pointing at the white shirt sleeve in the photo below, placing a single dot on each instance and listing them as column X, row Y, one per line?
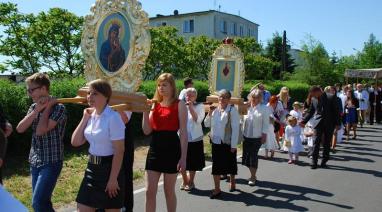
column 199, row 109
column 116, row 128
column 235, row 124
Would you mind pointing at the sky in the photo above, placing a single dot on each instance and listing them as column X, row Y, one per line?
column 341, row 25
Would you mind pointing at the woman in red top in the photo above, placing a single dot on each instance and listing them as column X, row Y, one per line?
column 168, row 151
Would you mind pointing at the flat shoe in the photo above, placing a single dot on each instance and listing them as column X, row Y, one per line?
column 182, row 187
column 189, row 187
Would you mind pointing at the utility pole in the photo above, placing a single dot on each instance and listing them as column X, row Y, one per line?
column 284, row 53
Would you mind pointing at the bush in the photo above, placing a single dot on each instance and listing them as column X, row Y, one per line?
column 15, row 103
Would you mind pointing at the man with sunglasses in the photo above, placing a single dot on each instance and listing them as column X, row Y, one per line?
column 48, row 120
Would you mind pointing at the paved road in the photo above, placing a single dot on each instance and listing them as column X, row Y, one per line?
column 353, row 182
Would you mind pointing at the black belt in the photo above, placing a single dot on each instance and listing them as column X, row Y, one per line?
column 93, row 159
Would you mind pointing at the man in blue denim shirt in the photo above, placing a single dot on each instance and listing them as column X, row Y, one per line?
column 48, row 120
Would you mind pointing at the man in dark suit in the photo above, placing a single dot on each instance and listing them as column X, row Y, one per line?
column 372, row 101
column 378, row 109
column 326, row 119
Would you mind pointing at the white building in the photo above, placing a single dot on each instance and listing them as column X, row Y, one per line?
column 212, row 23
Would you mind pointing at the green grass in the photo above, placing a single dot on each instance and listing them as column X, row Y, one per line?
column 17, row 178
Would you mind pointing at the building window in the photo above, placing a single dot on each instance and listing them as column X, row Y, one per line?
column 188, row 26
column 253, row 33
column 241, row 31
column 159, row 24
column 232, row 29
column 223, row 26
column 249, row 32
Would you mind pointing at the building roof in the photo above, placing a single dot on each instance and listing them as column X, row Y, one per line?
column 159, row 16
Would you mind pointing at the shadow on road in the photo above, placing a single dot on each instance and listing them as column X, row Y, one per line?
column 362, row 171
column 274, row 195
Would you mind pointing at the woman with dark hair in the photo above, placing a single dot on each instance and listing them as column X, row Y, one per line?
column 168, row 151
column 351, row 119
column 104, row 130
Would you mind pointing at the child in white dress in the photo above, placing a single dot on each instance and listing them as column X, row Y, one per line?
column 293, row 143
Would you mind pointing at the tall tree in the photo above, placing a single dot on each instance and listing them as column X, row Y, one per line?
column 46, row 42
column 317, row 68
column 57, row 38
column 274, row 52
column 15, row 44
column 167, row 53
column 371, row 55
column 199, row 52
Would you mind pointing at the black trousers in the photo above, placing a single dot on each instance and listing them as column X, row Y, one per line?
column 128, row 160
column 324, row 137
column 378, row 113
column 371, row 115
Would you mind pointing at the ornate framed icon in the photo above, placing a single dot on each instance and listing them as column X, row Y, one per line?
column 116, row 43
column 227, row 69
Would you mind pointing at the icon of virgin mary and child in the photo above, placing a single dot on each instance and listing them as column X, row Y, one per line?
column 112, row 55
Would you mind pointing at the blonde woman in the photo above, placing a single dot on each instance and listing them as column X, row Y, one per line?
column 255, row 130
column 168, row 151
column 285, row 99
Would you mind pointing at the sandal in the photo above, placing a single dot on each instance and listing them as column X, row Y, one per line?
column 214, row 195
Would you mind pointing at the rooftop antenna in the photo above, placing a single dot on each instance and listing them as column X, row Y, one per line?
column 219, row 7
column 239, row 12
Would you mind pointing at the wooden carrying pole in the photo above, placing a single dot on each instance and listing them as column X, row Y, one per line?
column 214, row 100
column 119, row 101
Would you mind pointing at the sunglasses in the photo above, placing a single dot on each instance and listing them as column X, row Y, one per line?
column 31, row 90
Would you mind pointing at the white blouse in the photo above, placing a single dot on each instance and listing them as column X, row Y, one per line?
column 363, row 98
column 256, row 122
column 194, row 128
column 101, row 130
column 217, row 122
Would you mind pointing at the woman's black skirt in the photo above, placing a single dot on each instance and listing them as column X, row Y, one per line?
column 195, row 156
column 164, row 153
column 251, row 148
column 223, row 160
column 92, row 190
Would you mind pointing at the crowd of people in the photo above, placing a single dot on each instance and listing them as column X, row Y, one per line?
column 175, row 124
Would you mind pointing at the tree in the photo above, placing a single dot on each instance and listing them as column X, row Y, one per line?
column 57, row 39
column 258, row 67
column 199, row 52
column 16, row 45
column 371, row 55
column 46, row 42
column 317, row 68
column 167, row 53
column 274, row 51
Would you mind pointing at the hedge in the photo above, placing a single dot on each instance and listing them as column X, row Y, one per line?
column 15, row 103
